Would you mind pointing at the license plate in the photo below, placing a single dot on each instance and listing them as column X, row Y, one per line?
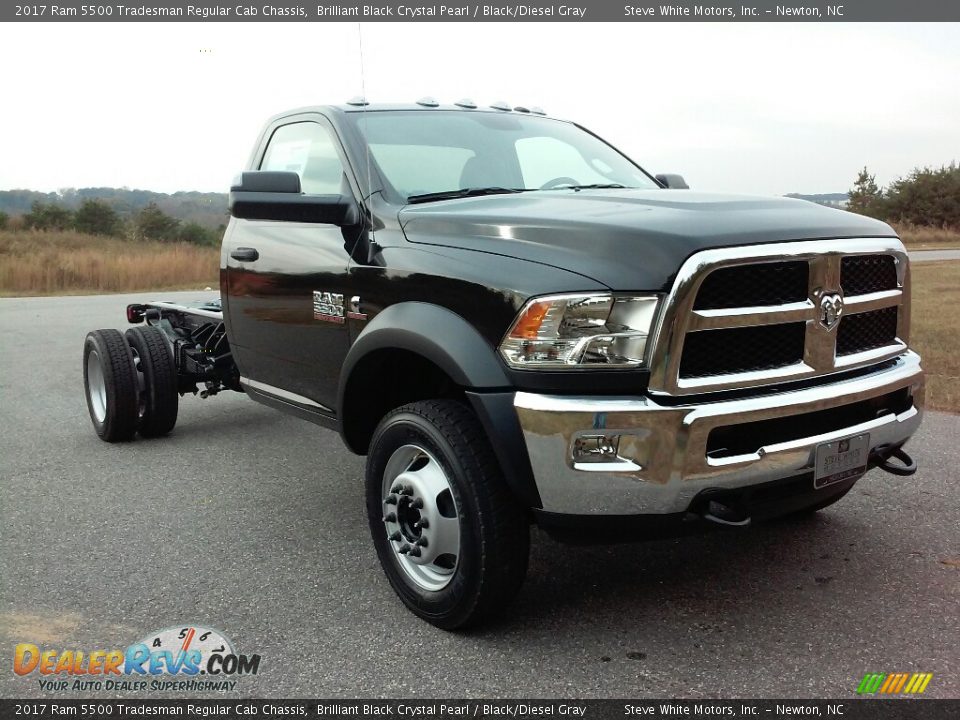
column 841, row 459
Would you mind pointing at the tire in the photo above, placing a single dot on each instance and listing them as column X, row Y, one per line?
column 110, row 385
column 445, row 461
column 158, row 398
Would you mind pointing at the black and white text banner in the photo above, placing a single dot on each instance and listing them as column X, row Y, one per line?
column 841, row 709
column 454, row 11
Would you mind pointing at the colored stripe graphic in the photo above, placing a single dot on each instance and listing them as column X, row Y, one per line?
column 894, row 683
column 900, row 682
column 871, row 683
column 927, row 677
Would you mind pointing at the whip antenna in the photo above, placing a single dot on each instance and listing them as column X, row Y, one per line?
column 363, row 94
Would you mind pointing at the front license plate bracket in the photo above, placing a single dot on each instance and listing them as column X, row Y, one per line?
column 841, row 460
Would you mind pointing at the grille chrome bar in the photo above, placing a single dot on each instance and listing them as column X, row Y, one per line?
column 825, row 258
column 853, row 304
column 745, row 317
column 868, row 357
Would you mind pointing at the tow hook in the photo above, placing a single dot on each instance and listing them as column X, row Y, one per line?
column 883, row 455
column 720, row 513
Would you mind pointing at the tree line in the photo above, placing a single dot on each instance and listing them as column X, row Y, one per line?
column 927, row 196
column 206, row 208
column 97, row 217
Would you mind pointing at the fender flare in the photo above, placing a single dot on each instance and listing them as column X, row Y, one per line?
column 435, row 333
column 454, row 345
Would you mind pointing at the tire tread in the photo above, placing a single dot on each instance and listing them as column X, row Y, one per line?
column 120, row 381
column 505, row 529
column 160, row 374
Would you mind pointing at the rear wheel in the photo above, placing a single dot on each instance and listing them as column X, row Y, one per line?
column 157, row 380
column 452, row 540
column 110, row 381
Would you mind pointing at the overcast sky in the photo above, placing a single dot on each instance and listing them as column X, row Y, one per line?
column 752, row 108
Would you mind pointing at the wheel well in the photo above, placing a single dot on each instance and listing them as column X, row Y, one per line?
column 384, row 380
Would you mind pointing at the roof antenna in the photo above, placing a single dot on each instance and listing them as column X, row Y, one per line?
column 366, row 103
column 372, row 247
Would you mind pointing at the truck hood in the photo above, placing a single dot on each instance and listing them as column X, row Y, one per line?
column 624, row 239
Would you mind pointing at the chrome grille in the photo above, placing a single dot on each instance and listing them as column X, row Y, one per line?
column 756, row 315
column 739, row 350
column 867, row 331
column 749, row 285
column 863, row 274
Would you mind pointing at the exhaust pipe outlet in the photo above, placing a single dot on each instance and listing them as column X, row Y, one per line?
column 883, row 456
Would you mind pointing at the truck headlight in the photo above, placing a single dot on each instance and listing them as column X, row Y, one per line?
column 581, row 330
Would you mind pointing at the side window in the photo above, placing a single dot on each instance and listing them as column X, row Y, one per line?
column 309, row 150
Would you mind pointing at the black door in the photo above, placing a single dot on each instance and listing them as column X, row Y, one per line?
column 284, row 279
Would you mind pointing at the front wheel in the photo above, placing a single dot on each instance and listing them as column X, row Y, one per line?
column 452, row 540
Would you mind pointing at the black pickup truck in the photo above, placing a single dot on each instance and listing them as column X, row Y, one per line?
column 517, row 324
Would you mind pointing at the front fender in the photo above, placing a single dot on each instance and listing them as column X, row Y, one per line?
column 448, row 341
column 435, row 333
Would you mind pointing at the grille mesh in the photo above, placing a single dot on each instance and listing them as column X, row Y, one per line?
column 866, row 331
column 862, row 274
column 750, row 285
column 736, row 350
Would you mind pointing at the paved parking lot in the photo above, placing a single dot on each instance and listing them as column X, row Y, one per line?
column 252, row 522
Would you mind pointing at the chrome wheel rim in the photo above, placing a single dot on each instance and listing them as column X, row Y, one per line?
column 96, row 387
column 420, row 517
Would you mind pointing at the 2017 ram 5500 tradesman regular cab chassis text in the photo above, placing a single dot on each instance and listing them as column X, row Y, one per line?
column 516, row 324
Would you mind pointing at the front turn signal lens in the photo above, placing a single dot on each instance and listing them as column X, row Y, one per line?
column 527, row 326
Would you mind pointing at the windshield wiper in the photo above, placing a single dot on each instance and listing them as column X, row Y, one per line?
column 594, row 186
column 463, row 192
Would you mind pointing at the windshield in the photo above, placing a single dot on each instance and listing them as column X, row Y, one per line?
column 437, row 154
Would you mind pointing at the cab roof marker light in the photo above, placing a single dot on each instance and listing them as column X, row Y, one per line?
column 428, row 102
column 520, row 108
column 538, row 110
column 501, row 105
column 358, row 101
column 466, row 103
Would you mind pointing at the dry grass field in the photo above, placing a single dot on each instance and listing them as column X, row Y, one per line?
column 935, row 330
column 70, row 263
column 917, row 237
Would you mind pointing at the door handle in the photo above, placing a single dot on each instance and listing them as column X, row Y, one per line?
column 245, row 254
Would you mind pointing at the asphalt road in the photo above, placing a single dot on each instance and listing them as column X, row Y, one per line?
column 252, row 522
column 931, row 255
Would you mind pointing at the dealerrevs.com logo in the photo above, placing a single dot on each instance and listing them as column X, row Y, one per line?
column 190, row 658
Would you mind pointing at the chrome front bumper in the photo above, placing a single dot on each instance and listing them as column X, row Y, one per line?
column 662, row 462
